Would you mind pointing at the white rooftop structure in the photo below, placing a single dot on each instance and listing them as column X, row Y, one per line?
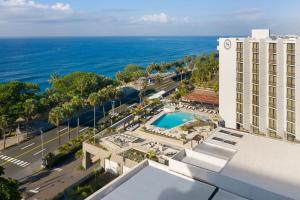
column 157, row 95
column 254, row 167
column 153, row 181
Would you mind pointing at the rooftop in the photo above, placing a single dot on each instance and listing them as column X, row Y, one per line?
column 203, row 96
column 152, row 181
column 257, row 161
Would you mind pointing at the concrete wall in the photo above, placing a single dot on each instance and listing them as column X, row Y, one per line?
column 227, row 82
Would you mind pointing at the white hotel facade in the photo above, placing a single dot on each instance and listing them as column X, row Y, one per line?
column 260, row 84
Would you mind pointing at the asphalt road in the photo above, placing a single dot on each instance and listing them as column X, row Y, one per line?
column 21, row 161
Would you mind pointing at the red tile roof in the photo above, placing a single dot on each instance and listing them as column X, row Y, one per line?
column 203, row 96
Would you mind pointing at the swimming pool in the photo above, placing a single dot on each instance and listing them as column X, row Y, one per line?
column 171, row 120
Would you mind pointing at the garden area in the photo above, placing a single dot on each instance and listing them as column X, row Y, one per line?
column 135, row 155
column 89, row 185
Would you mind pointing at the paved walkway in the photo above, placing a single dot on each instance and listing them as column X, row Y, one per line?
column 10, row 141
column 46, row 185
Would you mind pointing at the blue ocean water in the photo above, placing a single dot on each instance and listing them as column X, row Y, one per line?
column 34, row 59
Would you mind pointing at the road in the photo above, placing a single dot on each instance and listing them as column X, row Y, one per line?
column 23, row 160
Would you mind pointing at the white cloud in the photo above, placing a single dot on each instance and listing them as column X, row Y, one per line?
column 157, row 18
column 27, row 4
column 61, row 6
column 250, row 14
column 160, row 18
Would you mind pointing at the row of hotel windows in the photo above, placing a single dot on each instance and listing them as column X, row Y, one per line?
column 272, row 87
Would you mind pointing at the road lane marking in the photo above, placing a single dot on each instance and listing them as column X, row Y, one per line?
column 39, row 152
column 27, row 146
column 39, row 146
column 14, row 161
column 57, row 169
column 83, row 129
column 63, row 129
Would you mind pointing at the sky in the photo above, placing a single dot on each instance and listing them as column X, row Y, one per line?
column 26, row 18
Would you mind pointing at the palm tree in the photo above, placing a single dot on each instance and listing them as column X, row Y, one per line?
column 120, row 94
column 68, row 110
column 142, row 91
column 94, row 100
column 30, row 110
column 103, row 97
column 53, row 78
column 3, row 127
column 56, row 116
column 158, row 79
column 78, row 104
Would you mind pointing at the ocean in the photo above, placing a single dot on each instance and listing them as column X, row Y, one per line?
column 35, row 59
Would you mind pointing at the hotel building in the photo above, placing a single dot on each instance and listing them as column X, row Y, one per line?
column 260, row 84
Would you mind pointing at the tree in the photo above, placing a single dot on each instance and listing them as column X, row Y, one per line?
column 8, row 187
column 93, row 100
column 158, row 79
column 142, row 91
column 103, row 97
column 120, row 94
column 56, row 116
column 3, row 127
column 78, row 104
column 30, row 110
column 53, row 78
column 151, row 154
column 69, row 111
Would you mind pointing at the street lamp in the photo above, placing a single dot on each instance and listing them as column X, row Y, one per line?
column 44, row 162
column 113, row 106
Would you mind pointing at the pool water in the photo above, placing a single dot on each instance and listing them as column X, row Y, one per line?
column 171, row 120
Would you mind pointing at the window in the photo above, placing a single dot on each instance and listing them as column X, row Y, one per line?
column 272, row 80
column 290, row 128
column 255, row 78
column 272, row 58
column 291, row 59
column 239, row 77
column 239, row 46
column 291, row 116
column 255, row 110
column 255, row 58
column 291, row 82
column 291, row 48
column 255, row 100
column 291, row 70
column 239, row 97
column 240, row 67
column 272, row 69
column 255, row 121
column 239, row 118
column 255, row 130
column 291, row 93
column 239, row 87
column 272, row 113
column 255, row 46
column 272, row 91
column 272, row 124
column 255, row 89
column 272, row 48
column 272, row 102
column 255, row 68
column 290, row 105
column 239, row 108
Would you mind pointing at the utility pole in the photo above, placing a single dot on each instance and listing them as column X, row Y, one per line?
column 113, row 106
column 43, row 165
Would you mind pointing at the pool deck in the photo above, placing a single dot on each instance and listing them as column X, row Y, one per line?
column 176, row 131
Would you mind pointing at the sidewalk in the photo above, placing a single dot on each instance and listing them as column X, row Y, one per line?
column 11, row 141
column 46, row 185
